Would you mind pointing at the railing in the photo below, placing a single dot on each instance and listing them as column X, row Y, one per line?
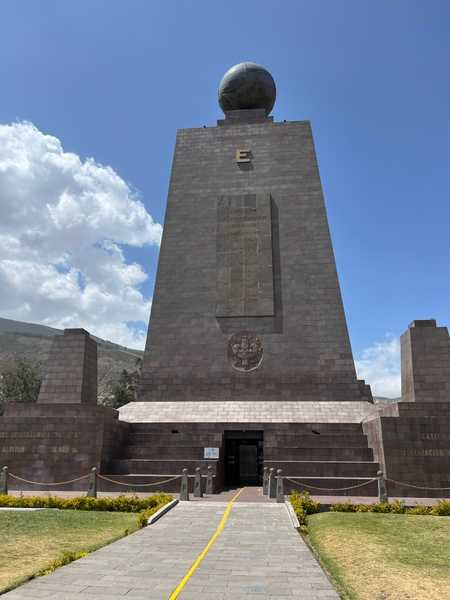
column 93, row 477
column 273, row 484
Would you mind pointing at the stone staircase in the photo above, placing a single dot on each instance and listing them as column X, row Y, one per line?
column 164, row 450
column 325, row 455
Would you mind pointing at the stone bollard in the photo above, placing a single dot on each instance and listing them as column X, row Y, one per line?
column 272, row 484
column 92, row 487
column 209, row 480
column 382, row 490
column 265, row 481
column 198, row 492
column 184, row 490
column 4, row 481
column 280, row 486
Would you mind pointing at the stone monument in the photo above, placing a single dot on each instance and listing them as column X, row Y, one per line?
column 248, row 349
column 65, row 433
column 247, row 304
column 248, row 362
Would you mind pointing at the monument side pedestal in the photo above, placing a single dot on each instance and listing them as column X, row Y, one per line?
column 65, row 434
column 411, row 438
column 58, row 442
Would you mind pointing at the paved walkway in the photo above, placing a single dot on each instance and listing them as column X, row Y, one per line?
column 258, row 556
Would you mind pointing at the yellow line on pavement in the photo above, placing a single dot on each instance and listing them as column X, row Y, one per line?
column 207, row 548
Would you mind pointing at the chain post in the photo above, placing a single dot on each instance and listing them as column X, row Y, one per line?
column 382, row 490
column 4, row 481
column 92, row 487
column 272, row 484
column 209, row 481
column 184, row 490
column 198, row 492
column 280, row 486
column 265, row 481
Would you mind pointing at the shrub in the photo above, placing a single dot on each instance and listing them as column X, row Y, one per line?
column 119, row 504
column 441, row 509
column 419, row 510
column 303, row 506
column 346, row 507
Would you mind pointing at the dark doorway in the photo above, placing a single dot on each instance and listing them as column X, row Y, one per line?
column 243, row 457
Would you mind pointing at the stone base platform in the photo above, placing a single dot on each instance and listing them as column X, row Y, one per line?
column 411, row 441
column 247, row 412
column 57, row 442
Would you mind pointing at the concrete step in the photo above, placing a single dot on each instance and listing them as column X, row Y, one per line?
column 182, row 439
column 332, row 486
column 324, row 468
column 334, row 454
column 175, row 428
column 354, row 440
column 314, row 428
column 139, row 483
column 147, row 451
column 160, row 466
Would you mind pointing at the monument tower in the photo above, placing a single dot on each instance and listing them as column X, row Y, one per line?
column 247, row 304
column 248, row 353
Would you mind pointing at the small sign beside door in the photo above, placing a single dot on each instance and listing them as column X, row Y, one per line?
column 211, row 453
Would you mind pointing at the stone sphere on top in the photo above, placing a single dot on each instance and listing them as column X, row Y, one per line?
column 245, row 86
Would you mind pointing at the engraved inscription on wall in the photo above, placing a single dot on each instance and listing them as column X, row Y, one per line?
column 244, row 256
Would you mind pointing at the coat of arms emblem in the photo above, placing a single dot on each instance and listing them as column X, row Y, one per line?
column 245, row 351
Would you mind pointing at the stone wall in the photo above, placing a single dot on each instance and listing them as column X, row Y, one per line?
column 425, row 354
column 52, row 443
column 71, row 376
column 302, row 336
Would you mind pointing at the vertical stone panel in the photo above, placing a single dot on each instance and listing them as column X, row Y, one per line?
column 244, row 256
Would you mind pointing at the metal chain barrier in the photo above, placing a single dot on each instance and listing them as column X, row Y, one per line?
column 137, row 484
column 417, row 487
column 314, row 487
column 46, row 483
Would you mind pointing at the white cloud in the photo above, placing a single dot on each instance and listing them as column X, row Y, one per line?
column 379, row 365
column 63, row 222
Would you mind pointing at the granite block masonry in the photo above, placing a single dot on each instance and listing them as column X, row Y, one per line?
column 71, row 376
column 247, row 304
column 65, row 433
column 425, row 352
column 411, row 439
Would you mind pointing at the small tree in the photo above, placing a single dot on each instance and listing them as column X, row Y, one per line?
column 20, row 383
column 124, row 390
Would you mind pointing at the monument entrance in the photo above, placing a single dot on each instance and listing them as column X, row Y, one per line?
column 244, row 457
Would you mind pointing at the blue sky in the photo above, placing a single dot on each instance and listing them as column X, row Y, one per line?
column 114, row 80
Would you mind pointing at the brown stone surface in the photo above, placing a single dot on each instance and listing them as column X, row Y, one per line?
column 425, row 356
column 306, row 350
column 53, row 443
column 71, row 376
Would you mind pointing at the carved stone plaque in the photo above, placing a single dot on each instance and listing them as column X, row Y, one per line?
column 244, row 256
column 245, row 351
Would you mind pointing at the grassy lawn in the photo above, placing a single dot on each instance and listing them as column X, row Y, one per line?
column 30, row 541
column 384, row 556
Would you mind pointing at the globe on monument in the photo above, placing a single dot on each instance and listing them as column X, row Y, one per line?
column 246, row 86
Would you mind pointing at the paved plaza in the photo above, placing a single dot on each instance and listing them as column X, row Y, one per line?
column 259, row 555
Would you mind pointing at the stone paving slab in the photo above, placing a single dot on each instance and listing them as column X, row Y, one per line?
column 258, row 555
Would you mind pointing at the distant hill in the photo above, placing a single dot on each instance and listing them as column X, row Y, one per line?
column 29, row 341
column 32, row 342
